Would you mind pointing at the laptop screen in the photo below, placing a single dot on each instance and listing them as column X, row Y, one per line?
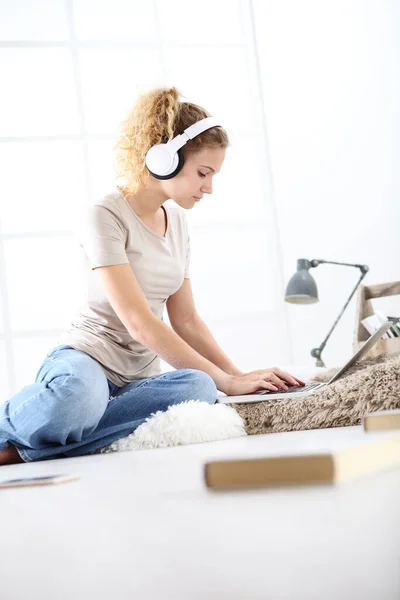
column 363, row 350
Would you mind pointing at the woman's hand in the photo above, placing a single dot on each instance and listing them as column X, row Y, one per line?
column 267, row 379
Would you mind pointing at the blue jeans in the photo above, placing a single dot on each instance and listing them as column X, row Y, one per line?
column 73, row 409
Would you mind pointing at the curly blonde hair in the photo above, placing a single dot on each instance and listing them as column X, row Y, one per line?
column 157, row 117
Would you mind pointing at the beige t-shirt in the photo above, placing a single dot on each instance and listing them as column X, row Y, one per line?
column 111, row 233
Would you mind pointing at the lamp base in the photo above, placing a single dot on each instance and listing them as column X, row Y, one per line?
column 320, row 363
column 316, row 353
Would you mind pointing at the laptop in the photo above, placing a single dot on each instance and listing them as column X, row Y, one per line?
column 298, row 391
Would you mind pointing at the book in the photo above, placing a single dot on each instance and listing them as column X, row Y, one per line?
column 396, row 326
column 396, row 330
column 373, row 322
column 382, row 420
column 322, row 467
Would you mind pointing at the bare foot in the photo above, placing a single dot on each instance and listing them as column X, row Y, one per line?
column 10, row 456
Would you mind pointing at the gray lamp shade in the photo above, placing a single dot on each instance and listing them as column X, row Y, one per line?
column 302, row 288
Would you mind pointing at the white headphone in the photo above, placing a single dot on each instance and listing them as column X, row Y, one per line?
column 164, row 161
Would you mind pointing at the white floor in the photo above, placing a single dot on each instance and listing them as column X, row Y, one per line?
column 142, row 525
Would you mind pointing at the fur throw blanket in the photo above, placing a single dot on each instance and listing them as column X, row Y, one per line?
column 370, row 385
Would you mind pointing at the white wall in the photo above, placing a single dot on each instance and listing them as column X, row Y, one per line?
column 331, row 90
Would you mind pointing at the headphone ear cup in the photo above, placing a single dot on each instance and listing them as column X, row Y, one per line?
column 178, row 168
column 159, row 160
column 180, row 164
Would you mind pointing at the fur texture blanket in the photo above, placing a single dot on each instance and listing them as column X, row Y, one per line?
column 370, row 385
column 373, row 384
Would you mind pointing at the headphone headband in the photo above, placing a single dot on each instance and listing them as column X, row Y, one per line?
column 191, row 132
column 164, row 161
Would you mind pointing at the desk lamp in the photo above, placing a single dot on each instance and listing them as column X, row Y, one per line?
column 302, row 289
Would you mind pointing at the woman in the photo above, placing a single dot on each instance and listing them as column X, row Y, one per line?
column 104, row 379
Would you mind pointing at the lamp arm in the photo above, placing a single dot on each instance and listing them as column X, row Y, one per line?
column 316, row 352
column 315, row 262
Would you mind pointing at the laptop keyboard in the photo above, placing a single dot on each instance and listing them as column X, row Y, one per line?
column 291, row 388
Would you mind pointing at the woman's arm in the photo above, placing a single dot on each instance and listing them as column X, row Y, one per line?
column 196, row 333
column 131, row 306
column 160, row 338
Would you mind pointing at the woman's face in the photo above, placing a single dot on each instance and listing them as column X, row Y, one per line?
column 196, row 177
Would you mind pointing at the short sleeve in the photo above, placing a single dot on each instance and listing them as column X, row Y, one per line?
column 102, row 236
column 187, row 260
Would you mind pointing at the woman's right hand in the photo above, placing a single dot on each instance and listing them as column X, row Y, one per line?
column 236, row 385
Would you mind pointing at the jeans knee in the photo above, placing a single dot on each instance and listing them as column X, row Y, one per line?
column 76, row 410
column 87, row 403
column 203, row 387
